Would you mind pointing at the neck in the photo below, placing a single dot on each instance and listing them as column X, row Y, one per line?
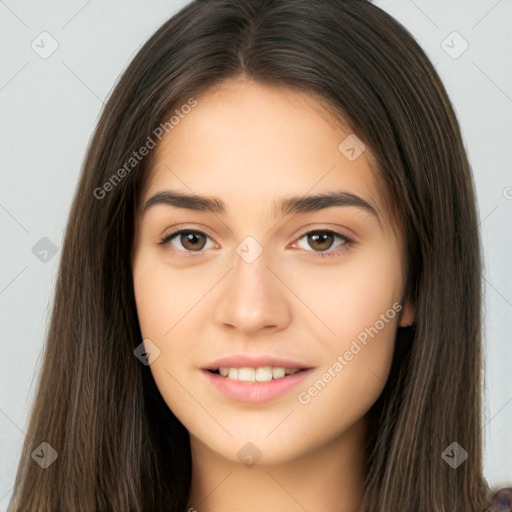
column 329, row 477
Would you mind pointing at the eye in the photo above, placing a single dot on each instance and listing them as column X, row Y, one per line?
column 189, row 240
column 192, row 242
column 321, row 240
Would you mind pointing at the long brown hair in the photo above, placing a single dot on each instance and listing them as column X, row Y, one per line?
column 119, row 446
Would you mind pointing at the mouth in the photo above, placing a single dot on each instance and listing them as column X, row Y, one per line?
column 254, row 384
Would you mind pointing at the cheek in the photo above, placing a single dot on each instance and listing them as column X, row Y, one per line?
column 164, row 296
column 353, row 374
column 150, row 297
column 358, row 313
column 169, row 308
column 351, row 297
column 161, row 310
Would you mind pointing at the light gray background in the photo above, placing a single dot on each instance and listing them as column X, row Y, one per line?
column 49, row 108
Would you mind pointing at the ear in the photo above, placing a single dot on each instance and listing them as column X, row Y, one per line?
column 407, row 316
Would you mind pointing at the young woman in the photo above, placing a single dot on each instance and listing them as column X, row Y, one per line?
column 269, row 292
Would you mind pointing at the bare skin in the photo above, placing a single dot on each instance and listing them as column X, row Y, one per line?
column 251, row 145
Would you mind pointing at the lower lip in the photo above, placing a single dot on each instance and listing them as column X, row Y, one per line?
column 255, row 392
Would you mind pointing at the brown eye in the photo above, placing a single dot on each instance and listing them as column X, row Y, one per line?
column 320, row 240
column 186, row 241
column 192, row 240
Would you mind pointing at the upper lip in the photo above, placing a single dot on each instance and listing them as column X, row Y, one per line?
column 253, row 361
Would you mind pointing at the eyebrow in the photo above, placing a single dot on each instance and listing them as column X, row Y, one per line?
column 287, row 206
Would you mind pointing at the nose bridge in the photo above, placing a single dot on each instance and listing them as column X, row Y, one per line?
column 252, row 297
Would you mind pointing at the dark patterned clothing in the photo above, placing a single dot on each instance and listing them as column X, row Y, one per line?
column 502, row 500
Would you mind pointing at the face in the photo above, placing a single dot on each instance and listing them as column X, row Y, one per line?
column 253, row 285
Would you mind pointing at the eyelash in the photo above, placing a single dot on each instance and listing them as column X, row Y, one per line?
column 348, row 242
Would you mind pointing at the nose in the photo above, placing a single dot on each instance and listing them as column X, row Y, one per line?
column 253, row 297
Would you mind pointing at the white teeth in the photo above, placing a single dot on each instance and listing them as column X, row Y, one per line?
column 247, row 374
column 263, row 374
column 277, row 373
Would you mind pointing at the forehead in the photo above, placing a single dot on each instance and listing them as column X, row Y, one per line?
column 246, row 141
